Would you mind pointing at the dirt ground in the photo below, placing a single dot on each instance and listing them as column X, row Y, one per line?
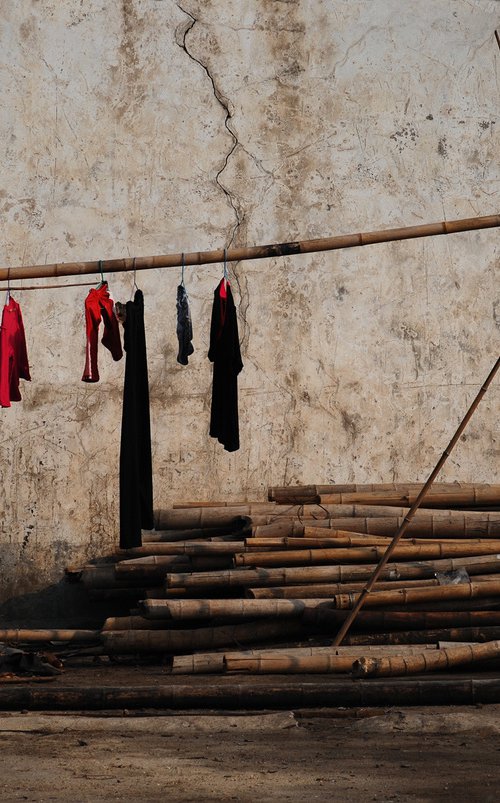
column 417, row 754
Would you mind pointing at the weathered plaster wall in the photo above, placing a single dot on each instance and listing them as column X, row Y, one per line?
column 149, row 126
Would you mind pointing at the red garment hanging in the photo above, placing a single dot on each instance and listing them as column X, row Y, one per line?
column 99, row 305
column 13, row 353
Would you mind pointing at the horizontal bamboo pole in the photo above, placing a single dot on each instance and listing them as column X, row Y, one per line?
column 481, row 603
column 328, row 590
column 227, row 515
column 457, row 525
column 301, row 652
column 204, row 663
column 402, row 596
column 133, row 623
column 342, row 539
column 463, row 634
column 172, row 536
column 439, row 524
column 129, row 642
column 126, row 567
column 319, row 663
column 182, row 548
column 213, row 662
column 322, row 516
column 427, row 661
column 370, row 554
column 270, row 694
column 449, row 498
column 206, row 517
column 248, row 578
column 304, row 493
column 322, row 618
column 338, row 538
column 323, row 590
column 154, row 572
column 287, row 665
column 252, row 252
column 41, row 636
column 220, row 503
column 375, row 620
column 240, row 608
column 234, row 516
column 291, row 524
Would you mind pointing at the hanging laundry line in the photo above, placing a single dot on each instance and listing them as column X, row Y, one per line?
column 252, row 252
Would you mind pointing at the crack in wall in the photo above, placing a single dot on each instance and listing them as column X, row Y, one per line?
column 224, row 102
column 230, row 196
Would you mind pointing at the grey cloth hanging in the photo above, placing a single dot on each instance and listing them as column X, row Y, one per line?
column 184, row 326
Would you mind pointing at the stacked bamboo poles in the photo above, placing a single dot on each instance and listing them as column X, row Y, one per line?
column 288, row 571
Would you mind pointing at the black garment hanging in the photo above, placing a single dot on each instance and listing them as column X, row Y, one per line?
column 184, row 326
column 136, row 479
column 225, row 354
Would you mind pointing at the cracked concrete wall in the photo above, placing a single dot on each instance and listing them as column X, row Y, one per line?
column 149, row 126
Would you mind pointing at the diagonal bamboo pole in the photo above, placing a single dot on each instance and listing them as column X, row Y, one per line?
column 252, row 252
column 406, row 521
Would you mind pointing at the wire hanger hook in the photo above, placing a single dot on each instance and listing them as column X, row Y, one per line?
column 183, row 263
column 7, row 295
column 134, row 286
column 102, row 274
column 226, row 274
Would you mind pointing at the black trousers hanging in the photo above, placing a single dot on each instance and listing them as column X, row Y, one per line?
column 136, row 478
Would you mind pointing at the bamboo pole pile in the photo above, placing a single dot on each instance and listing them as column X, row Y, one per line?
column 282, row 576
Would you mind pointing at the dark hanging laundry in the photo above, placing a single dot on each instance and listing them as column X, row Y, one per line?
column 136, row 478
column 225, row 354
column 99, row 306
column 13, row 354
column 184, row 326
